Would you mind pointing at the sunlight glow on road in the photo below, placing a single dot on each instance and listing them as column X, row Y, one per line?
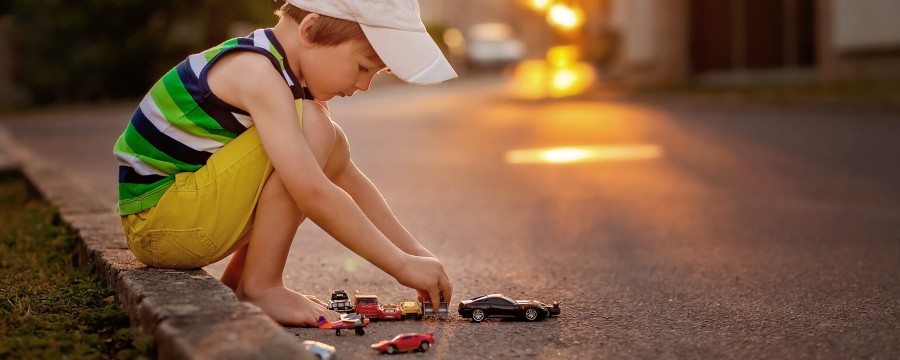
column 582, row 154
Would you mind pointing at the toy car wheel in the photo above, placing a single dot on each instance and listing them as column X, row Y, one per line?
column 478, row 315
column 531, row 314
column 337, row 332
column 424, row 346
column 360, row 331
column 391, row 349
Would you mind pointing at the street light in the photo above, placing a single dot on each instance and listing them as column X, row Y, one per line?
column 563, row 55
column 565, row 17
column 538, row 5
column 561, row 74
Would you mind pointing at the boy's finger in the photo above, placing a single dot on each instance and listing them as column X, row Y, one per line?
column 446, row 288
column 435, row 294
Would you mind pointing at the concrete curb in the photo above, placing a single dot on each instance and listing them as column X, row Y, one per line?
column 191, row 314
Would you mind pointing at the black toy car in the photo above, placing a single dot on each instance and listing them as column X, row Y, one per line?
column 340, row 302
column 497, row 305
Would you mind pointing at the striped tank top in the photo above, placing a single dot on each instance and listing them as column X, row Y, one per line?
column 180, row 123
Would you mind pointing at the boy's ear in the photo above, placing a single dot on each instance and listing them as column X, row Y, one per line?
column 304, row 28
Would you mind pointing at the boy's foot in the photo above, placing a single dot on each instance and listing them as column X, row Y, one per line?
column 286, row 306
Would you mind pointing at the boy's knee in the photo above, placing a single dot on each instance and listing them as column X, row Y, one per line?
column 340, row 154
column 273, row 187
column 319, row 131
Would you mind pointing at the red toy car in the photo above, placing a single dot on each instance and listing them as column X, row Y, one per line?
column 368, row 306
column 405, row 342
column 391, row 312
column 347, row 321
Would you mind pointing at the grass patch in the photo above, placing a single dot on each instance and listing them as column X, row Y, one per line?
column 48, row 308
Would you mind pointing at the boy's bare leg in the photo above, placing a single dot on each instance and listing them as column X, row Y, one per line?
column 275, row 224
column 231, row 277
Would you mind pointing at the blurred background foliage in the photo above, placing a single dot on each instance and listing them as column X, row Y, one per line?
column 93, row 50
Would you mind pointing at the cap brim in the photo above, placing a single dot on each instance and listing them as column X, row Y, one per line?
column 411, row 56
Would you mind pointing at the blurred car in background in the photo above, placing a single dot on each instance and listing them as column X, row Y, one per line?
column 492, row 46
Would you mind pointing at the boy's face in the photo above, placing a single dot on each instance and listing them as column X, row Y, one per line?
column 340, row 70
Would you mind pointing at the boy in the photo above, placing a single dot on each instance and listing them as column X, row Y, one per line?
column 234, row 147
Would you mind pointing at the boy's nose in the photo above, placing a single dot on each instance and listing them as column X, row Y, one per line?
column 364, row 83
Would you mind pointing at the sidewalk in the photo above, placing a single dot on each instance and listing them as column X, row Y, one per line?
column 191, row 314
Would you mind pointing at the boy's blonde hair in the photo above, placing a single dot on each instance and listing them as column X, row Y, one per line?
column 327, row 31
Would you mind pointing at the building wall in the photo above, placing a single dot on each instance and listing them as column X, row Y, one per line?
column 653, row 41
column 854, row 40
column 859, row 40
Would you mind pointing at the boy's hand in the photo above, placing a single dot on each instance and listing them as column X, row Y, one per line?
column 428, row 277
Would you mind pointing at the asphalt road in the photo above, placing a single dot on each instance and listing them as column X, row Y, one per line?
column 697, row 230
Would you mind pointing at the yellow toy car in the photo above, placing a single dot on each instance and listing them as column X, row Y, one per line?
column 411, row 309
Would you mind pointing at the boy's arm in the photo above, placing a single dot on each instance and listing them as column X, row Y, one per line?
column 262, row 92
column 346, row 175
column 366, row 195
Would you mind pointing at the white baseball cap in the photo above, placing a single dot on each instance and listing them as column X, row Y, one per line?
column 395, row 30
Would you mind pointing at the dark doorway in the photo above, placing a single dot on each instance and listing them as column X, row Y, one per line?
column 751, row 34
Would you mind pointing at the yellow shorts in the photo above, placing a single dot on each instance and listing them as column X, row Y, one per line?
column 201, row 218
